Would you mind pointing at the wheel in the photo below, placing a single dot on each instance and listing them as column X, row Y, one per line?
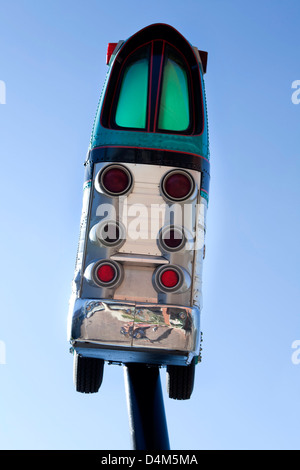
column 88, row 374
column 180, row 381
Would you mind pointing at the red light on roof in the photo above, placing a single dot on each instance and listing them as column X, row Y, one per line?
column 110, row 49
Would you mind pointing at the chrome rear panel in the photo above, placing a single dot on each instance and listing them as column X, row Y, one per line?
column 133, row 320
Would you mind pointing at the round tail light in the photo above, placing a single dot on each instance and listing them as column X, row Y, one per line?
column 177, row 185
column 168, row 279
column 108, row 233
column 115, row 180
column 106, row 273
column 111, row 233
column 172, row 238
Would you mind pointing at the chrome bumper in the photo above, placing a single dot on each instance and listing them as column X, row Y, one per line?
column 119, row 331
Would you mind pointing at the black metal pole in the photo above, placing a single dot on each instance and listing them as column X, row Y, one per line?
column 147, row 419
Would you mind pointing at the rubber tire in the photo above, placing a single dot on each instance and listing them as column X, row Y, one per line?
column 180, row 381
column 88, row 374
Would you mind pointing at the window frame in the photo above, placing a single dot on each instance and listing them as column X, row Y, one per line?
column 165, row 55
column 115, row 99
column 158, row 48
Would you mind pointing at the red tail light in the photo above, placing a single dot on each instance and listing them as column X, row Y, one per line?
column 178, row 185
column 172, row 239
column 169, row 278
column 115, row 180
column 110, row 233
column 106, row 273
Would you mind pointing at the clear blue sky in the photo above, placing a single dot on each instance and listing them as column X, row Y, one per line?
column 52, row 60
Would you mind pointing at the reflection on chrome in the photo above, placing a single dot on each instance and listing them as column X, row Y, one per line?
column 131, row 325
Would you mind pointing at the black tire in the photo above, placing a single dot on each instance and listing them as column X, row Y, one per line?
column 88, row 374
column 180, row 381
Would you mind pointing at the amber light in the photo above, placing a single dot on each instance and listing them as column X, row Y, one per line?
column 178, row 185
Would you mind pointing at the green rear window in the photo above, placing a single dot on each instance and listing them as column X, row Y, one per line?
column 132, row 103
column 174, row 113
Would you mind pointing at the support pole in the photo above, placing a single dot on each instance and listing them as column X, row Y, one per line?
column 146, row 411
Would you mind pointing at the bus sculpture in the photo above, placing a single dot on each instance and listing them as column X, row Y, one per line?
column 137, row 288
